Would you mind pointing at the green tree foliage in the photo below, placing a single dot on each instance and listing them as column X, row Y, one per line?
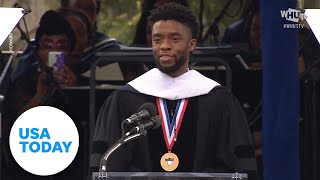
column 118, row 18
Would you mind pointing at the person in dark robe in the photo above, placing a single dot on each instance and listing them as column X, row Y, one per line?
column 98, row 41
column 38, row 84
column 202, row 122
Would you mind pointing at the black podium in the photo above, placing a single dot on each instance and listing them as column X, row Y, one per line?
column 169, row 176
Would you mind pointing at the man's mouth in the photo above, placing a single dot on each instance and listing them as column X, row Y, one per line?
column 165, row 57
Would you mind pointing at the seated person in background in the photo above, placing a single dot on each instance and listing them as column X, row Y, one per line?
column 81, row 25
column 40, row 84
column 100, row 41
column 36, row 85
column 247, row 85
column 211, row 132
column 246, row 31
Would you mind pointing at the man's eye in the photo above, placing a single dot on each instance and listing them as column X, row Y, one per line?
column 175, row 38
column 156, row 39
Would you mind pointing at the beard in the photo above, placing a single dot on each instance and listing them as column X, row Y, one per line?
column 180, row 61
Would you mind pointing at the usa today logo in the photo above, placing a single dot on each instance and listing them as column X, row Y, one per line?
column 44, row 140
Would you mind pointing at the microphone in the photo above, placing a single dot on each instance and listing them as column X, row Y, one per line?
column 147, row 110
column 152, row 123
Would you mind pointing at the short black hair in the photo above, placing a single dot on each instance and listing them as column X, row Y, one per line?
column 52, row 23
column 146, row 7
column 176, row 12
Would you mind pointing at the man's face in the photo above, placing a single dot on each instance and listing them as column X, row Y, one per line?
column 171, row 45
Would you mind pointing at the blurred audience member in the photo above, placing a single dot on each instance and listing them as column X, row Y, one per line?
column 246, row 32
column 80, row 23
column 40, row 84
column 101, row 41
column 36, row 85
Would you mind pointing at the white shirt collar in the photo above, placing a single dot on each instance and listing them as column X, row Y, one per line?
column 158, row 84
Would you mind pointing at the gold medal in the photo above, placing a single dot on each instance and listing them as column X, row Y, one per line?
column 169, row 161
column 170, row 128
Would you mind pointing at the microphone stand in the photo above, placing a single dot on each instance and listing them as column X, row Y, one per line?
column 106, row 155
column 214, row 29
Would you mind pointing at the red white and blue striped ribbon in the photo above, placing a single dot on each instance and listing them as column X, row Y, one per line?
column 170, row 128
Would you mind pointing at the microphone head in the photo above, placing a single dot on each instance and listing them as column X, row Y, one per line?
column 157, row 120
column 150, row 107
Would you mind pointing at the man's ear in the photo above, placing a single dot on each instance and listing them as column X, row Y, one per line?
column 193, row 44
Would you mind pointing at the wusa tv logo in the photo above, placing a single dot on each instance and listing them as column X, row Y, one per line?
column 293, row 15
column 44, row 140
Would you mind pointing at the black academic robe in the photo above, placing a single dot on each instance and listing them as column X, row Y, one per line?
column 213, row 137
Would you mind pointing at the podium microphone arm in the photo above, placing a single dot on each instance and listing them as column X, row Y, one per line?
column 106, row 155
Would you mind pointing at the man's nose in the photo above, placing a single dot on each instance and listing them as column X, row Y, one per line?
column 165, row 45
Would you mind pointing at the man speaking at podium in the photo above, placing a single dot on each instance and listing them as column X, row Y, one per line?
column 203, row 124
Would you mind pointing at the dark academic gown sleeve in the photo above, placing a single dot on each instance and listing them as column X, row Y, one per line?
column 118, row 106
column 225, row 143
